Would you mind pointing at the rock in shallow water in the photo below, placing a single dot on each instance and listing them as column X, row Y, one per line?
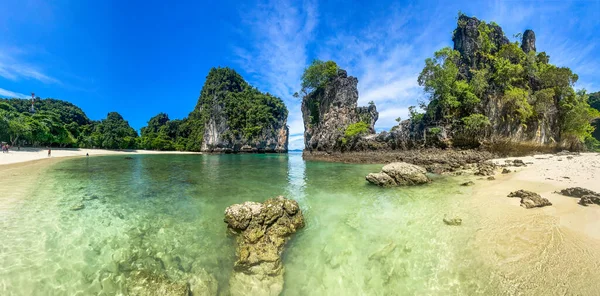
column 453, row 221
column 262, row 231
column 469, row 183
column 399, row 174
column 530, row 199
column 77, row 207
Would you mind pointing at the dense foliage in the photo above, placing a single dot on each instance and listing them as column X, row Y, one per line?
column 593, row 143
column 59, row 123
column 526, row 86
column 354, row 130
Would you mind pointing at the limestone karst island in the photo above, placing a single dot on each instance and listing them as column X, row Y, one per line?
column 300, row 148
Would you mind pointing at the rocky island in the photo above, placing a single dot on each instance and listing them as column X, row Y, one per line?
column 485, row 93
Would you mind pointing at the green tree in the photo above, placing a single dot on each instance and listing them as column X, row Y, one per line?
column 317, row 74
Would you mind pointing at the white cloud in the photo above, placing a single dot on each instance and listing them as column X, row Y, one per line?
column 12, row 68
column 10, row 94
column 277, row 56
column 386, row 56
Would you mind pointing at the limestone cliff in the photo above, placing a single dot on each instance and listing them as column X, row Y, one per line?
column 328, row 111
column 231, row 116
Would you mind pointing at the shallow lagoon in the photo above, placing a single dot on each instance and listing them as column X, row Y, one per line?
column 164, row 214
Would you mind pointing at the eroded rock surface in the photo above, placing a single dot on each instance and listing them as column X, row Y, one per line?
column 530, row 199
column 399, row 174
column 327, row 112
column 587, row 196
column 485, row 169
column 262, row 230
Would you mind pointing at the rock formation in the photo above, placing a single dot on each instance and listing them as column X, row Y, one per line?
column 587, row 197
column 467, row 41
column 262, row 231
column 399, row 174
column 485, row 168
column 232, row 116
column 528, row 42
column 328, row 111
column 530, row 199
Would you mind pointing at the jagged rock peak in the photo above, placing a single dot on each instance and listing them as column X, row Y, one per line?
column 466, row 37
column 528, row 42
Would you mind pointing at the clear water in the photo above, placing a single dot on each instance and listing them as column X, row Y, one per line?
column 164, row 214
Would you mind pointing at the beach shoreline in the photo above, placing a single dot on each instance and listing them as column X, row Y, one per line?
column 15, row 156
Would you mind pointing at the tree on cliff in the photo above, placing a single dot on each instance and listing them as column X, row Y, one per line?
column 317, row 74
column 485, row 71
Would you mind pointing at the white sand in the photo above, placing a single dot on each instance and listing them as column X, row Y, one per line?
column 550, row 173
column 30, row 154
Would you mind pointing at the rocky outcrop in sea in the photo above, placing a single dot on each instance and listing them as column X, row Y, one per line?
column 232, row 116
column 328, row 111
column 261, row 230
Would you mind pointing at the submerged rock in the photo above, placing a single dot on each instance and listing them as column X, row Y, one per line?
column 262, row 231
column 491, row 178
column 452, row 221
column 530, row 199
column 399, row 174
column 148, row 284
column 469, row 183
column 77, row 207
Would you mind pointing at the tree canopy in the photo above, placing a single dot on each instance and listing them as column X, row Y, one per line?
column 317, row 74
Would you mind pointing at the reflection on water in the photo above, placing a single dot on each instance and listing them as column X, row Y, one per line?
column 163, row 215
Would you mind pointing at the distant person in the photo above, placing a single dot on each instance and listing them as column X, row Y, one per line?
column 87, row 154
column 3, row 148
column 49, row 152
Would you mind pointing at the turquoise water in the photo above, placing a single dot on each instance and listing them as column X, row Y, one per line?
column 163, row 214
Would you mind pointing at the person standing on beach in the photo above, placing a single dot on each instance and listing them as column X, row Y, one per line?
column 49, row 151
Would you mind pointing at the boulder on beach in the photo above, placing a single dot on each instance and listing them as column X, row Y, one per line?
column 587, row 197
column 518, row 163
column 399, row 174
column 485, row 168
column 530, row 199
column 262, row 230
column 506, row 171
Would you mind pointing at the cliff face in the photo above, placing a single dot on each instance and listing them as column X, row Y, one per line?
column 231, row 116
column 328, row 112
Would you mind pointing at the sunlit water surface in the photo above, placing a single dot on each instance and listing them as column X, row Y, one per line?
column 164, row 214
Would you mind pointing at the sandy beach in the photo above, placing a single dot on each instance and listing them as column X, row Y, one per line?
column 31, row 154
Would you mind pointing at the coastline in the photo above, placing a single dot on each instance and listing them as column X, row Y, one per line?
column 36, row 154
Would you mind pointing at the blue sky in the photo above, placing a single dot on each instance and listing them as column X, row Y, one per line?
column 140, row 58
